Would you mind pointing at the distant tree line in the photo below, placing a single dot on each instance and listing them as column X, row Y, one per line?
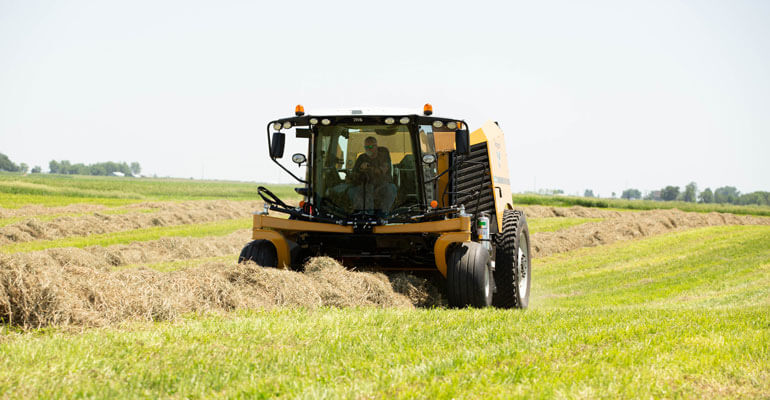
column 721, row 195
column 102, row 168
column 66, row 167
column 7, row 165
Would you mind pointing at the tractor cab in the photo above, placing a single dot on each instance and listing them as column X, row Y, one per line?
column 370, row 168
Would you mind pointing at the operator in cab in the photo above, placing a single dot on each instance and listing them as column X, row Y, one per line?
column 373, row 179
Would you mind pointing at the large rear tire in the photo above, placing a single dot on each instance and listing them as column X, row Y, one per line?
column 469, row 276
column 261, row 252
column 513, row 270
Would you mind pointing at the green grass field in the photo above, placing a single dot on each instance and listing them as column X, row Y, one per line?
column 51, row 217
column 217, row 228
column 58, row 190
column 167, row 266
column 681, row 315
column 556, row 223
column 567, row 201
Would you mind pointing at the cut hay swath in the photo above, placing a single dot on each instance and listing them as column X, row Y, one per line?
column 80, row 287
column 34, row 296
column 632, row 225
column 168, row 214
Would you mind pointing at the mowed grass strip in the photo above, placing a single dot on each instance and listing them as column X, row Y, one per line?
column 370, row 353
column 167, row 266
column 580, row 338
column 568, row 201
column 552, row 224
column 51, row 217
column 217, row 228
column 68, row 189
column 27, row 187
column 9, row 200
column 718, row 266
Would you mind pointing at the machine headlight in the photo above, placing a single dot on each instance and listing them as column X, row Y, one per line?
column 313, row 121
column 326, row 121
column 277, row 126
column 404, row 120
column 286, row 125
column 451, row 125
column 390, row 121
column 298, row 158
column 438, row 124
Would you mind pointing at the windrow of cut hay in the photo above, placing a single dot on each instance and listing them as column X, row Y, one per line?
column 628, row 226
column 568, row 212
column 153, row 251
column 170, row 214
column 35, row 295
column 33, row 210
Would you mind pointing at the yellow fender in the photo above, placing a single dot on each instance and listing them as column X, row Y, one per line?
column 281, row 246
column 439, row 248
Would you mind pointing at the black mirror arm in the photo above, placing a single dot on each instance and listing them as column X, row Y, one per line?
column 269, row 146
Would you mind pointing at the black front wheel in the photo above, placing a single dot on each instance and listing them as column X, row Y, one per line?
column 469, row 276
column 261, row 252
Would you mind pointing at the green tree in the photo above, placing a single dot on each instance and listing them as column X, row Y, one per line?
column 758, row 198
column 36, row 169
column 726, row 194
column 7, row 165
column 669, row 193
column 98, row 169
column 135, row 168
column 79, row 169
column 23, row 168
column 65, row 167
column 690, row 192
column 588, row 193
column 631, row 194
column 706, row 196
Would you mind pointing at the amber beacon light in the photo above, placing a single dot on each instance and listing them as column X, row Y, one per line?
column 427, row 109
column 299, row 110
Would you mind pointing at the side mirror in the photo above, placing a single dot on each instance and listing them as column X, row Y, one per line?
column 462, row 142
column 277, row 144
column 299, row 159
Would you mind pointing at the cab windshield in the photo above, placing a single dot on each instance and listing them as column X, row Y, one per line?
column 365, row 169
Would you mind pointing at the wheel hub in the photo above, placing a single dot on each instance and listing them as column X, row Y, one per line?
column 522, row 269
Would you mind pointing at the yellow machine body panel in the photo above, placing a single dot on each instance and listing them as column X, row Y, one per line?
column 279, row 231
column 498, row 166
column 275, row 230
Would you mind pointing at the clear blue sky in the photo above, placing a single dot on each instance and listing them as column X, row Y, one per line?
column 601, row 95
